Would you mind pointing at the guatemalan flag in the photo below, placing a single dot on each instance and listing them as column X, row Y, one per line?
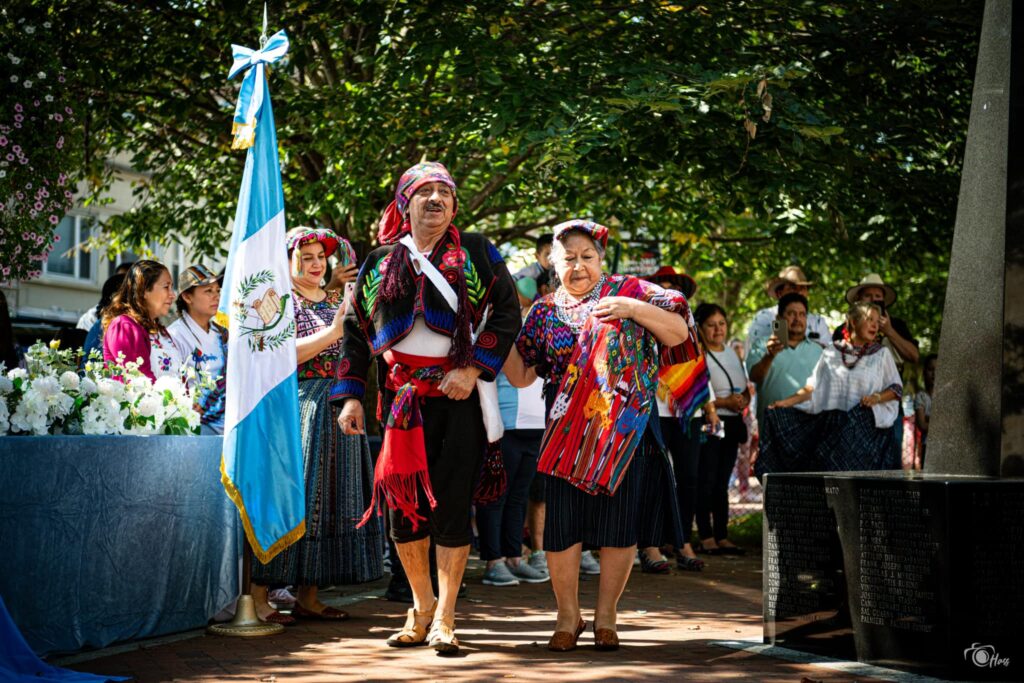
column 262, row 466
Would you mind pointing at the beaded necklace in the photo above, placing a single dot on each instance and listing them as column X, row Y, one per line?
column 859, row 352
column 574, row 312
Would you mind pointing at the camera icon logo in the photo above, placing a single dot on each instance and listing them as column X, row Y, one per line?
column 985, row 656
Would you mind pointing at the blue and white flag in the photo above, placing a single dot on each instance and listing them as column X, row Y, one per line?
column 262, row 466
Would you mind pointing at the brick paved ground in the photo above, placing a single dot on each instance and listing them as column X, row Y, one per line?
column 667, row 626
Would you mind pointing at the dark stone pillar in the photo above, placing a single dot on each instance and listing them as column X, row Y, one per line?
column 927, row 575
column 977, row 424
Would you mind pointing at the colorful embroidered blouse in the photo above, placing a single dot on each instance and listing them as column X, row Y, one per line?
column 606, row 377
column 546, row 343
column 310, row 318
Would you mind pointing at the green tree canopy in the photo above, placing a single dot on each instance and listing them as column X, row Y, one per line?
column 742, row 135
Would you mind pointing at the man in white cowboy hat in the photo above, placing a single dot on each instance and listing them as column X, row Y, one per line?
column 895, row 331
column 791, row 280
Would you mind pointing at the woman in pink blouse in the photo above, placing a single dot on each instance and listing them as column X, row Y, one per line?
column 131, row 322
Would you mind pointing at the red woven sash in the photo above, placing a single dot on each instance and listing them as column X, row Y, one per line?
column 402, row 464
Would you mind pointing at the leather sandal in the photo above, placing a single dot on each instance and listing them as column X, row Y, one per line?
column 276, row 617
column 442, row 637
column 649, row 566
column 328, row 613
column 689, row 564
column 413, row 633
column 605, row 639
column 564, row 641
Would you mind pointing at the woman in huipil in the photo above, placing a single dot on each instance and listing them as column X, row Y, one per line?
column 338, row 468
column 598, row 342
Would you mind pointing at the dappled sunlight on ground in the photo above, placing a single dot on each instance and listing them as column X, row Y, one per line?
column 668, row 626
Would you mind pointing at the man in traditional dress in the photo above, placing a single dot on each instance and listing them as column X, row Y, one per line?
column 437, row 309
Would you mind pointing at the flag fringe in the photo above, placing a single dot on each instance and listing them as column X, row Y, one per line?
column 244, row 135
column 263, row 555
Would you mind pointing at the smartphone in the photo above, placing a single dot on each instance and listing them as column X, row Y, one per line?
column 780, row 328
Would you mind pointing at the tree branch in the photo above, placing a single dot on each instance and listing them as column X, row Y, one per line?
column 498, row 180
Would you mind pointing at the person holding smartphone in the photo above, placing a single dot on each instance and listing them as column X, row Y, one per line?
column 895, row 333
column 338, row 467
column 781, row 364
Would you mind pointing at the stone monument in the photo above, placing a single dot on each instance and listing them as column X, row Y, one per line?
column 925, row 572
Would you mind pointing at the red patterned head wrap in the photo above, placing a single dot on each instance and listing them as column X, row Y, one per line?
column 596, row 231
column 395, row 221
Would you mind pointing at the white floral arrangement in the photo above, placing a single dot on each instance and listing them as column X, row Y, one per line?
column 52, row 396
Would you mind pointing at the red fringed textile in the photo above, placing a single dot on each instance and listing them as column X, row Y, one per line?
column 402, row 466
column 389, row 228
column 492, row 479
column 602, row 406
column 603, row 403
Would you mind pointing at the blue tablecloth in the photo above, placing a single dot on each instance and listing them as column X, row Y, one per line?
column 114, row 538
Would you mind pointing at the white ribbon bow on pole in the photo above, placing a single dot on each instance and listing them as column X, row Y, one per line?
column 251, row 94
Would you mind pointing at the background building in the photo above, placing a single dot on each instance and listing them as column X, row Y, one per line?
column 74, row 273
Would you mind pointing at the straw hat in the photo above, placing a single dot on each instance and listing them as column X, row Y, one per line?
column 681, row 281
column 791, row 274
column 871, row 280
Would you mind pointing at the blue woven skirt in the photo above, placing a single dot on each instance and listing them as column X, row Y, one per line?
column 339, row 477
column 830, row 441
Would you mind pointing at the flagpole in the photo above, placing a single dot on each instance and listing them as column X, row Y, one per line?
column 246, row 623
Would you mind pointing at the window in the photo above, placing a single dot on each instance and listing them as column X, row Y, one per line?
column 66, row 260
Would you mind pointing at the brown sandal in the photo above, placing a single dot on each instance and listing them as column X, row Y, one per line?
column 563, row 641
column 442, row 637
column 605, row 639
column 328, row 613
column 413, row 633
column 276, row 617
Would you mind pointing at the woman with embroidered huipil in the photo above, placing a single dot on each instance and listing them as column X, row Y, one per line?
column 843, row 419
column 598, row 342
column 131, row 323
column 338, row 467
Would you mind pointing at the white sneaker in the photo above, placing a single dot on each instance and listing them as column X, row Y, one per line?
column 539, row 561
column 281, row 597
column 499, row 575
column 524, row 572
column 589, row 564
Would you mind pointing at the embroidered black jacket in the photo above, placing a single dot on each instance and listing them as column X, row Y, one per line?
column 372, row 327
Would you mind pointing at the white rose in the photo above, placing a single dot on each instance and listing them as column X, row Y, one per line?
column 88, row 387
column 6, row 385
column 46, row 386
column 168, row 382
column 110, row 388
column 149, row 406
column 17, row 373
column 70, row 381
